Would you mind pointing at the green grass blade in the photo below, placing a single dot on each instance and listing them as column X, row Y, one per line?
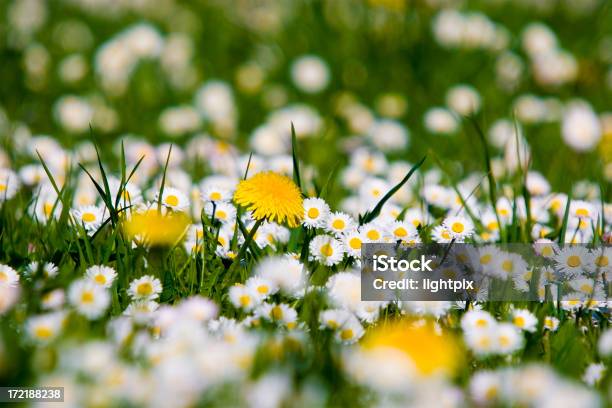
column 296, row 164
column 163, row 182
column 369, row 216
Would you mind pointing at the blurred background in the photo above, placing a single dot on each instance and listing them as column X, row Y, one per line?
column 401, row 75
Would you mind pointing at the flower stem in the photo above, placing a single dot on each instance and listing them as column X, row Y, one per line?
column 248, row 240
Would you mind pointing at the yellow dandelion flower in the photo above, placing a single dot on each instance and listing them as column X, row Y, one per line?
column 156, row 229
column 271, row 196
column 432, row 353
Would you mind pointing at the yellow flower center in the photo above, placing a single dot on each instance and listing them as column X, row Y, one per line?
column 244, row 300
column 338, row 224
column 586, row 288
column 504, row 341
column 87, row 297
column 276, row 313
column 491, row 393
column 313, row 213
column 47, row 208
column 43, row 332
column 172, row 200
column 215, row 196
column 446, row 235
column 332, row 324
column 484, row 342
column 221, row 214
column 346, row 334
column 493, row 226
column 355, row 243
column 416, row 223
column 507, row 265
column 88, row 217
column 2, row 187
column 144, row 289
column 373, row 235
column 101, row 279
column 547, row 251
column 263, row 289
column 573, row 261
column 582, row 212
column 3, row 276
column 602, row 261
column 481, row 323
column 519, row 321
column 457, row 227
column 400, row 232
column 327, row 250
column 503, row 212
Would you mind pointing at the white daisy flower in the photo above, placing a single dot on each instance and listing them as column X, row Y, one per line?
column 459, row 227
column 601, row 260
column 46, row 327
column 350, row 331
column 279, row 313
column 261, row 288
column 46, row 205
column 582, row 209
column 374, row 231
column 373, row 189
column 53, row 300
column 101, row 275
column 486, row 387
column 402, row 231
column 199, row 308
column 507, row 264
column 326, row 250
column 441, row 234
column 316, row 211
column 174, row 199
column 594, row 373
column 8, row 276
column 481, row 342
column 146, row 287
column 223, row 211
column 338, row 223
column 551, row 323
column 417, row 217
column 216, row 193
column 9, row 184
column 130, row 193
column 286, row 272
column 353, row 240
column 243, row 297
column 477, row 320
column 524, row 320
column 572, row 261
column 142, row 310
column 589, row 287
column 508, row 338
column 545, row 247
column 90, row 217
column 334, row 318
column 89, row 299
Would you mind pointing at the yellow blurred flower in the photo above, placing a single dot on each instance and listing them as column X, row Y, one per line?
column 155, row 228
column 432, row 353
column 271, row 196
